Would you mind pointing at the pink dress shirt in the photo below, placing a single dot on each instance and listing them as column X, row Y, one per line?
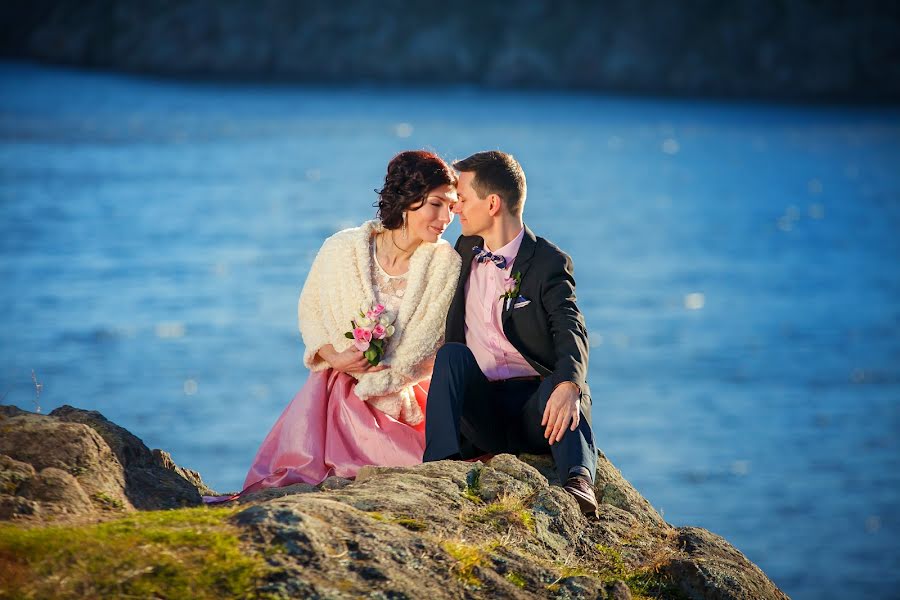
column 497, row 357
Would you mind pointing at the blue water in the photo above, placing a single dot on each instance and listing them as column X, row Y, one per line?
column 737, row 265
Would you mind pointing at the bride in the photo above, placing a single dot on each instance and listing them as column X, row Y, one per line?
column 393, row 277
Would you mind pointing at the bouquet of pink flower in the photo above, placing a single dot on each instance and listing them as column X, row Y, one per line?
column 371, row 331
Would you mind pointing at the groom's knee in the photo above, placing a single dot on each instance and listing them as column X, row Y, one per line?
column 453, row 356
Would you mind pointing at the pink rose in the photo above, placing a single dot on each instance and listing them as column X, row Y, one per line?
column 510, row 283
column 361, row 338
column 375, row 312
column 379, row 331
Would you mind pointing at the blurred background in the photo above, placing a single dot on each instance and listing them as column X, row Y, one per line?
column 726, row 177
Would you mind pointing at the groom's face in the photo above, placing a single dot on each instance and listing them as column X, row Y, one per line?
column 474, row 214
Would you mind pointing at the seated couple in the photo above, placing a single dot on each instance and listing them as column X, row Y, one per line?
column 453, row 353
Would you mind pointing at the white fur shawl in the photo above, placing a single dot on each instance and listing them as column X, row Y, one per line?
column 340, row 283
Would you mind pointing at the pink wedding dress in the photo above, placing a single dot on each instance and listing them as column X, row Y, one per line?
column 327, row 430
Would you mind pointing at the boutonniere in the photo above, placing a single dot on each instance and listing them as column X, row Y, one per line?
column 512, row 285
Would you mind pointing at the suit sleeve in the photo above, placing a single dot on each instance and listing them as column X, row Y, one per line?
column 570, row 340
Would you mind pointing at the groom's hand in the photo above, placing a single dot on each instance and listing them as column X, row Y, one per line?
column 563, row 410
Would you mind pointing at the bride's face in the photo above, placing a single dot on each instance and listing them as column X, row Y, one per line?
column 428, row 222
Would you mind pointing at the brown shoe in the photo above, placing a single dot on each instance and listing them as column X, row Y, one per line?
column 580, row 487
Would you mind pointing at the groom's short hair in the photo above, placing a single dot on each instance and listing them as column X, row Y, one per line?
column 497, row 173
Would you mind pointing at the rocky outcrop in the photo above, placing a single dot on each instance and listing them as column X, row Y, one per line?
column 803, row 49
column 713, row 569
column 152, row 479
column 449, row 529
column 75, row 463
column 495, row 530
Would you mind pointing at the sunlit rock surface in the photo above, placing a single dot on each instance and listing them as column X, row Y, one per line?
column 449, row 529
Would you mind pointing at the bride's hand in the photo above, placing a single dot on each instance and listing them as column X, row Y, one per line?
column 349, row 361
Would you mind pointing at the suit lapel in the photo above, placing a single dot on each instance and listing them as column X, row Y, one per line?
column 457, row 315
column 521, row 266
column 465, row 252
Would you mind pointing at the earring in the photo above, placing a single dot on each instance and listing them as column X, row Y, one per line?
column 403, row 228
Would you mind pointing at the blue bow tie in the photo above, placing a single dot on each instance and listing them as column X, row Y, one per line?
column 482, row 255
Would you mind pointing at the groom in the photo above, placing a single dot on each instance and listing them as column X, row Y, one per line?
column 511, row 376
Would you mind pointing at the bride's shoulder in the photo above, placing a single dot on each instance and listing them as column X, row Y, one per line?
column 346, row 237
column 444, row 252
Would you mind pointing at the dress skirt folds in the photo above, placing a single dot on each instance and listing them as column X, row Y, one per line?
column 327, row 430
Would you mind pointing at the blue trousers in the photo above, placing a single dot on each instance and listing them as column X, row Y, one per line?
column 467, row 416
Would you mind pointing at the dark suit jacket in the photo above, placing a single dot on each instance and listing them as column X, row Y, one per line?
column 549, row 333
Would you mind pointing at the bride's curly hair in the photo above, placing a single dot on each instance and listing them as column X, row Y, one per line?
column 410, row 176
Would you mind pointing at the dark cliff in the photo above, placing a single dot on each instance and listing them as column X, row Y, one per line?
column 796, row 50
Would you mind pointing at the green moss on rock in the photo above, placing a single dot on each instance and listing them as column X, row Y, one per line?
column 184, row 553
